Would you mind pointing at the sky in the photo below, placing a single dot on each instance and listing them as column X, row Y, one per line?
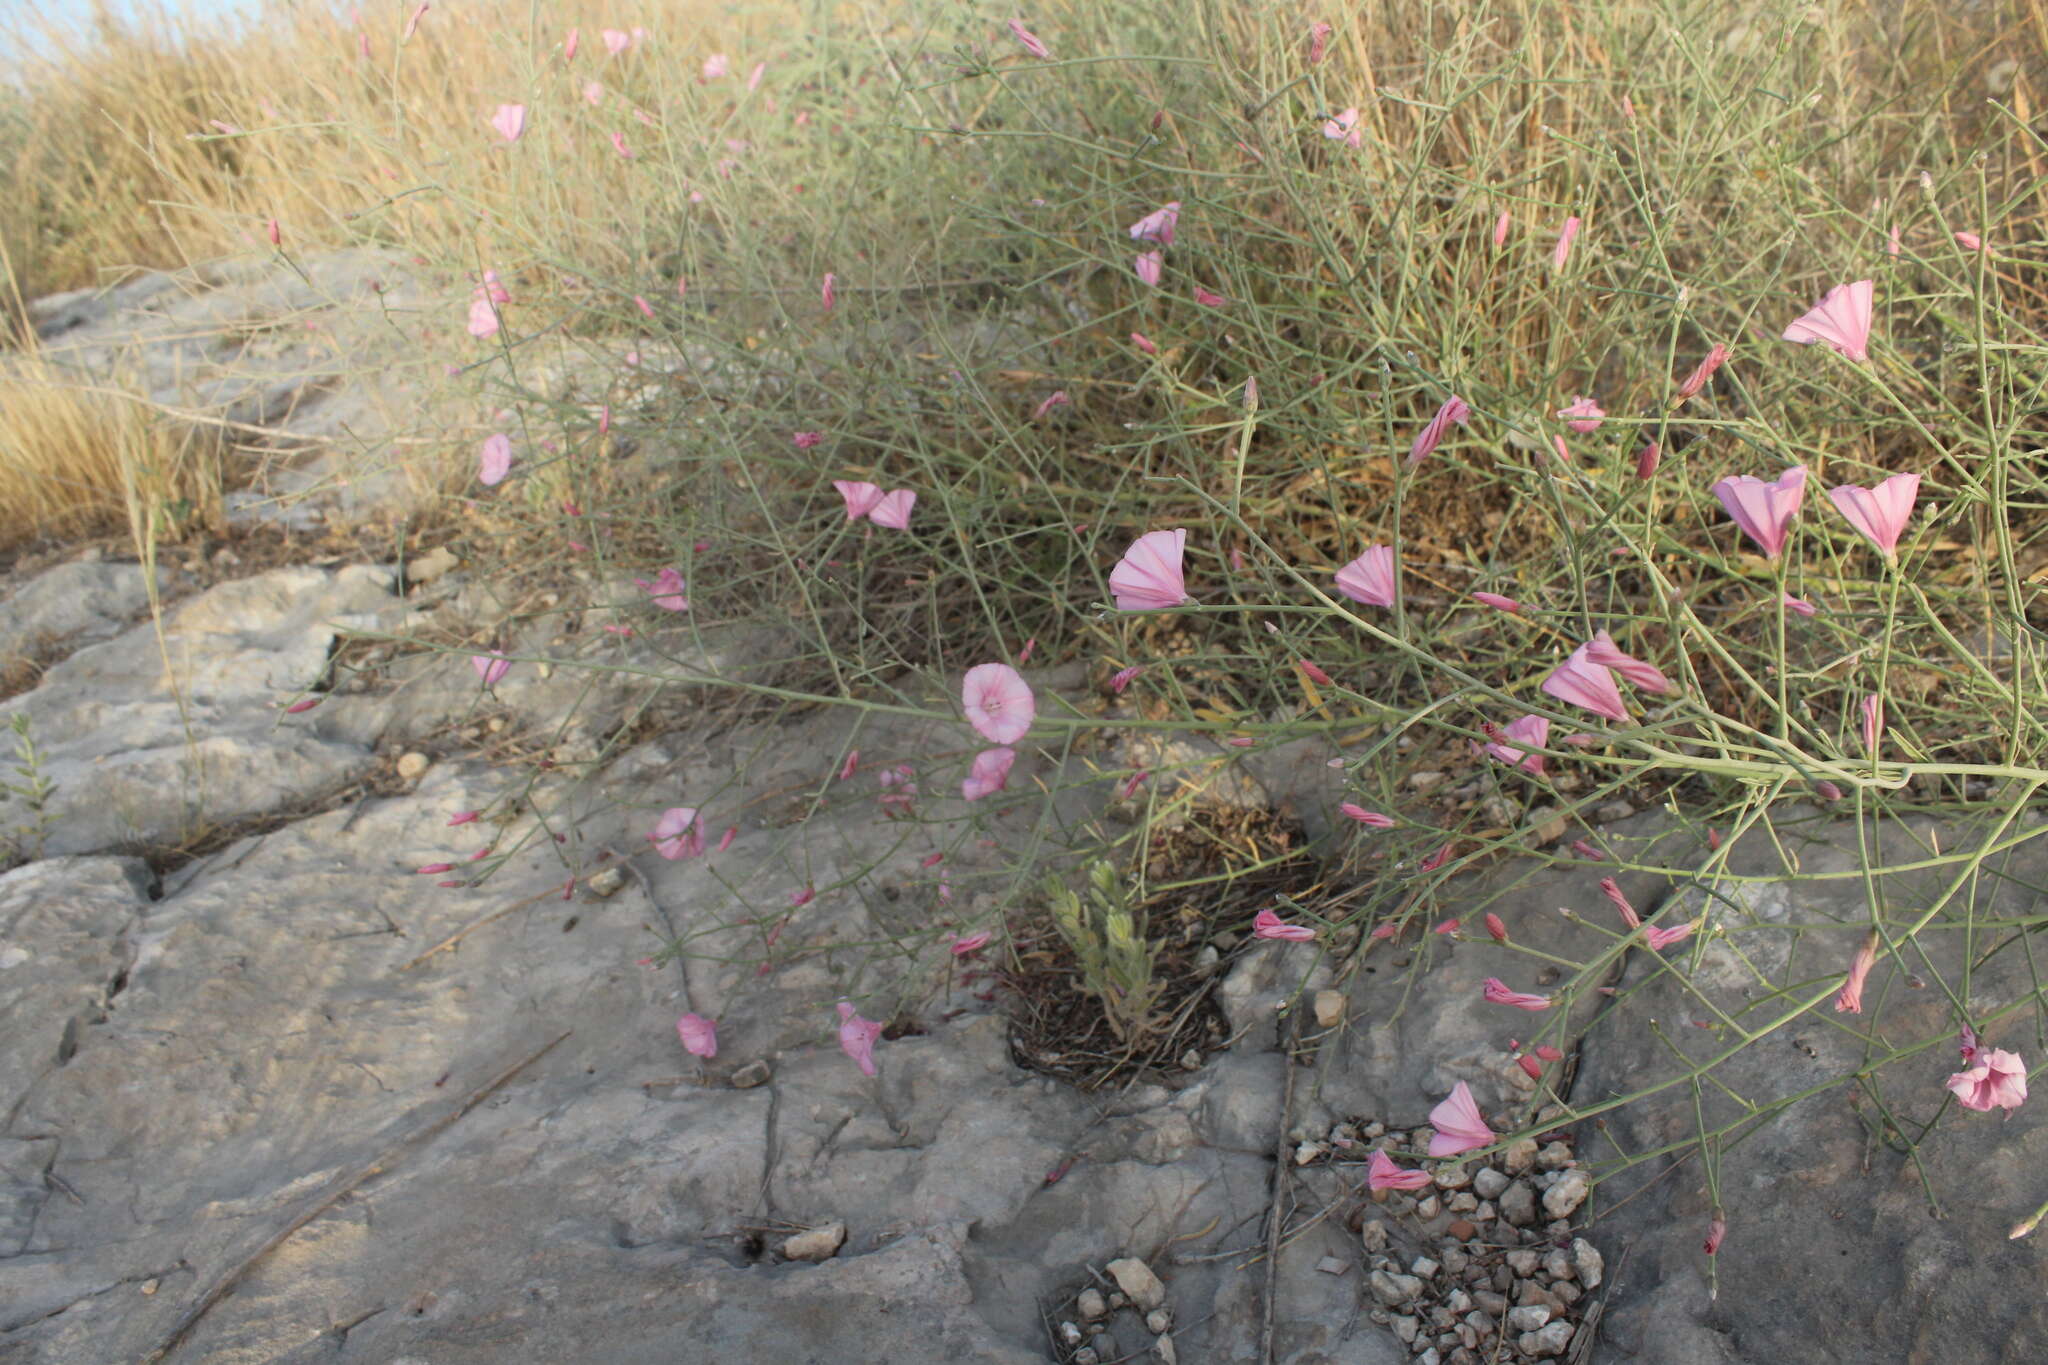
column 77, row 13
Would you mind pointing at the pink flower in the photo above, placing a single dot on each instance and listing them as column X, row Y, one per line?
column 893, row 509
column 1312, row 673
column 1880, row 513
column 714, row 67
column 754, row 76
column 1601, row 650
column 860, row 498
column 1370, row 578
column 1370, row 819
column 1565, row 239
column 1647, row 458
column 433, row 869
column 1873, row 721
column 1454, row 409
column 1382, row 1174
column 699, row 1035
column 1055, row 399
column 1580, row 682
column 1583, row 416
column 1144, row 343
column 1497, row 602
column 1697, row 380
column 483, row 316
column 679, row 833
column 1497, row 993
column 1841, row 319
column 510, row 121
column 593, row 92
column 464, row 817
column 490, row 667
column 615, row 42
column 998, row 702
column 1495, row 928
column 1266, row 924
column 1563, row 451
column 1458, row 1124
column 1529, row 730
column 1611, row 889
column 989, row 773
column 808, row 440
column 412, row 23
column 1891, row 245
column 799, row 899
column 1966, row 1043
column 666, row 591
column 1030, row 40
column 1121, row 679
column 569, row 45
column 1764, row 511
column 828, row 290
column 273, row 232
column 857, row 1038
column 969, row 944
column 1500, row 229
column 1158, row 226
column 1149, row 577
column 851, row 765
column 1318, row 42
column 1717, row 1229
column 1999, row 1079
column 1827, row 791
column 1148, row 267
column 1660, row 939
column 1800, row 605
column 1137, row 779
column 619, row 146
column 1849, row 1000
column 1969, row 241
column 1208, row 299
column 1344, row 128
column 494, row 459
column 640, row 302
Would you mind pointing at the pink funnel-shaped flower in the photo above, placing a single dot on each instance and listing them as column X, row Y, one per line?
column 1158, row 226
column 1849, row 1000
column 1880, row 513
column 699, row 1035
column 969, row 944
column 1370, row 578
column 1123, row 677
column 1584, row 415
column 1764, row 511
column 1056, row 399
column 1565, row 237
column 1381, row 1173
column 1148, row 265
column 1497, row 602
column 857, row 1038
column 988, row 774
column 1458, row 1124
column 1266, row 924
column 1344, row 128
column 1601, row 650
column 807, row 440
column 1841, row 319
column 1660, row 939
column 715, row 66
column 666, row 590
column 828, row 290
column 893, row 509
column 510, row 121
column 490, row 667
column 1454, row 409
column 494, row 459
column 1533, row 730
column 679, row 833
column 1318, row 42
column 998, row 702
column 1611, row 889
column 860, row 497
column 1370, row 819
column 1030, row 40
column 1149, row 577
column 1497, row 993
column 1580, row 682
column 1998, row 1080
column 1704, row 371
column 1144, row 343
column 615, row 40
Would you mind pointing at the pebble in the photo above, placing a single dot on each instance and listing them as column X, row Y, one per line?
column 1427, row 781
column 819, row 1244
column 1547, row 1341
column 1423, row 1267
column 412, row 766
column 1375, row 1129
column 1519, row 1155
column 1488, row 1183
column 1532, row 1294
column 1453, row 1177
column 1163, row 1351
column 1518, row 1204
column 1159, row 1320
column 1091, row 1305
column 1567, row 1194
column 1329, row 1008
column 431, row 565
column 1558, row 1265
column 1568, row 1292
column 1486, row 1212
column 1492, row 1304
column 1586, row 1259
column 1087, row 1356
column 752, row 1074
column 1555, row 1157
column 1430, row 1357
column 1462, row 1230
column 1373, row 1235
column 1461, row 1202
column 1455, row 1260
column 605, row 882
column 1307, row 1152
column 1458, row 1301
column 1394, row 1290
column 1528, row 1319
column 1613, row 811
column 1522, row 1261
column 1405, row 1327
column 1428, row 1208
column 1070, row 1334
column 1329, row 1265
column 1136, row 1279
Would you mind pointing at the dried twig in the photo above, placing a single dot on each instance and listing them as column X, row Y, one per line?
column 333, row 1195
column 468, row 929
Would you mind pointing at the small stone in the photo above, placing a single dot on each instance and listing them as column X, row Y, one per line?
column 1519, row 1155
column 1522, row 1261
column 1486, row 1212
column 1613, row 811
column 605, row 882
column 1424, row 1267
column 1164, row 1352
column 1461, row 1202
column 1330, row 1265
column 1135, row 1278
column 1070, row 1334
column 1453, row 1177
column 1191, row 1060
column 1307, row 1152
column 1557, row 1264
column 413, row 765
column 1567, row 1292
column 1518, row 1204
column 1118, row 1301
column 1527, row 1319
column 1546, row 826
column 1554, row 1157
column 1105, row 1346
column 1530, row 1294
column 431, row 565
column 1087, row 1356
column 1329, row 1008
column 1586, row 1259
column 1373, row 1235
column 149, row 1287
column 1429, row 1357
column 1458, row 1301
column 1405, row 1327
column 1492, row 1304
column 1427, row 781
column 1208, row 960
column 1454, row 1258
column 1550, row 1340
column 1428, row 1207
column 819, row 1244
column 1159, row 1320
column 752, row 1074
column 1487, row 1182
column 1375, row 1129
column 1091, row 1305
column 1567, row 1194
column 1394, row 1290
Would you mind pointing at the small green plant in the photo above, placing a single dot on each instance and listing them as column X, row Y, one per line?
column 33, row 790
column 1115, row 959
